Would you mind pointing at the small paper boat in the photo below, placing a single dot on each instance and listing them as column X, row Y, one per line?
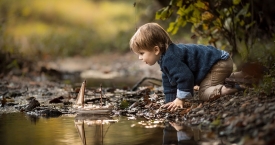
column 87, row 109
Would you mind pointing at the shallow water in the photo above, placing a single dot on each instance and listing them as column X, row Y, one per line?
column 18, row 128
column 22, row 129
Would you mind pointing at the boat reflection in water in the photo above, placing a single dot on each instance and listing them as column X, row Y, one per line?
column 95, row 118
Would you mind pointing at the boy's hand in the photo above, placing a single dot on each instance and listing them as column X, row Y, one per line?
column 173, row 106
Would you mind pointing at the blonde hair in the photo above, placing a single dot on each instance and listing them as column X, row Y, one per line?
column 148, row 36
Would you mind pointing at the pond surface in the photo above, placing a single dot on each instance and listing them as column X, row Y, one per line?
column 19, row 128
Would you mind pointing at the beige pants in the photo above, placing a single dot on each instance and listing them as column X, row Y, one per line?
column 214, row 80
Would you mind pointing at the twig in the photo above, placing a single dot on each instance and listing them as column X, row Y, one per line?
column 100, row 95
column 140, row 82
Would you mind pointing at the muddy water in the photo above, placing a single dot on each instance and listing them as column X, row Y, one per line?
column 20, row 129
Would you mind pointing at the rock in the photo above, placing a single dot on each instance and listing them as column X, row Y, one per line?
column 33, row 104
column 57, row 100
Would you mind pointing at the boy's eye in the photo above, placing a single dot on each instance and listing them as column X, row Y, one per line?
column 141, row 53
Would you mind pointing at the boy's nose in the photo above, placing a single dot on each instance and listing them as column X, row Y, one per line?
column 140, row 57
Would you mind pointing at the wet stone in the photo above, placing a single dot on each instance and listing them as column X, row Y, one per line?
column 33, row 103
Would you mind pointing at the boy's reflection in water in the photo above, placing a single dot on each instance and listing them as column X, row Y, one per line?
column 176, row 134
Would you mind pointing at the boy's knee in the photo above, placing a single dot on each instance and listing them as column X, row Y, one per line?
column 211, row 93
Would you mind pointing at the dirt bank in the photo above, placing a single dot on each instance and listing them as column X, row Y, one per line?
column 105, row 66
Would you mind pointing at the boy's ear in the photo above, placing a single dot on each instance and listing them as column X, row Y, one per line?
column 156, row 50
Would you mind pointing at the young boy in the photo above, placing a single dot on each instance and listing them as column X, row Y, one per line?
column 183, row 65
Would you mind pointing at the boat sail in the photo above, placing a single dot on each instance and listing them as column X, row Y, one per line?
column 81, row 95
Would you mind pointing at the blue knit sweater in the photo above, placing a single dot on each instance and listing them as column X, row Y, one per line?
column 186, row 65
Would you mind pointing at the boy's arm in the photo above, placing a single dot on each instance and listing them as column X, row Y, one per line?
column 183, row 78
column 169, row 90
column 173, row 102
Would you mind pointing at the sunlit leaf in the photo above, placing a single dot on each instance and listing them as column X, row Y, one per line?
column 179, row 3
column 181, row 11
column 205, row 26
column 242, row 22
column 183, row 23
column 174, row 26
column 248, row 14
column 171, row 27
column 164, row 13
column 236, row 2
column 194, row 20
column 217, row 22
column 230, row 11
column 207, row 16
column 184, row 11
column 158, row 14
column 196, row 14
column 201, row 5
column 175, row 30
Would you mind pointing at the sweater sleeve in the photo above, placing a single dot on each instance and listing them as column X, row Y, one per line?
column 183, row 136
column 169, row 90
column 182, row 76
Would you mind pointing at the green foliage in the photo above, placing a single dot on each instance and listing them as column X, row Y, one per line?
column 266, row 86
column 164, row 13
column 264, row 52
column 231, row 25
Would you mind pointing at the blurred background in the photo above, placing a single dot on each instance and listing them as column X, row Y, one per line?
column 49, row 29
column 67, row 27
column 77, row 35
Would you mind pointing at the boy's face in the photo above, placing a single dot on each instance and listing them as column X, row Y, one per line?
column 149, row 57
